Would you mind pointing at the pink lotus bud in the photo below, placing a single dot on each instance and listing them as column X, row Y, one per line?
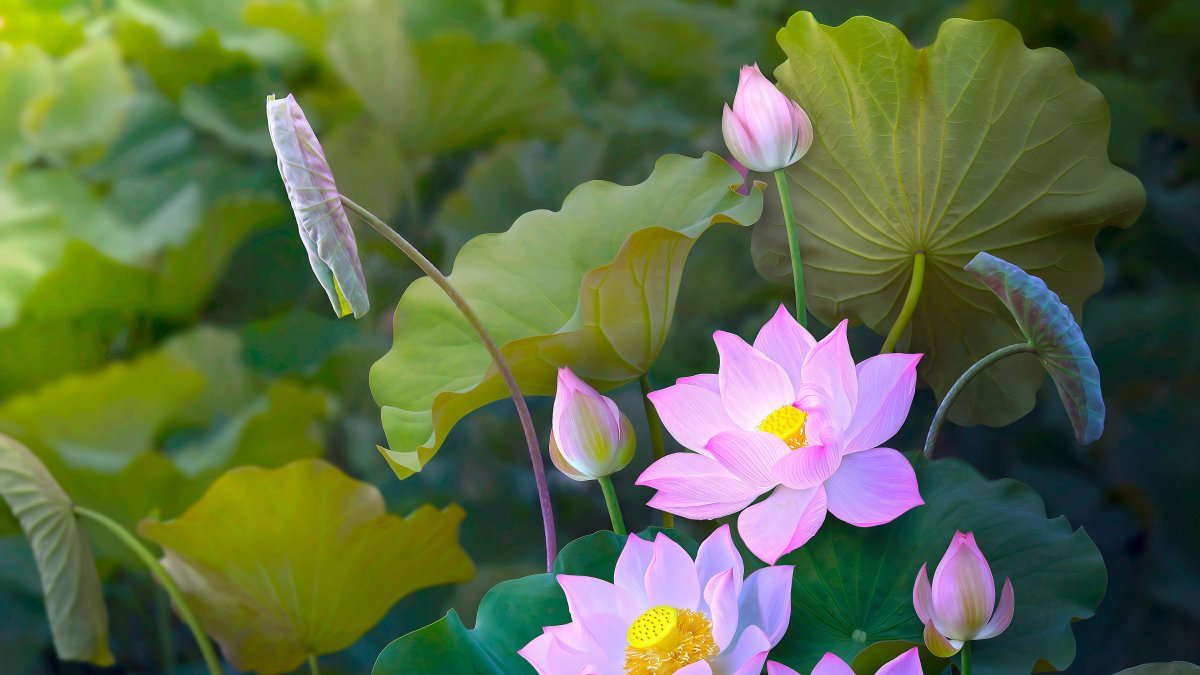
column 765, row 130
column 961, row 603
column 590, row 438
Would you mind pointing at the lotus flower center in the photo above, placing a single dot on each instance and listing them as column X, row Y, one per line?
column 788, row 424
column 664, row 639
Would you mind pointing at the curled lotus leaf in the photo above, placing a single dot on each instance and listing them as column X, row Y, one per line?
column 972, row 143
column 313, row 193
column 1058, row 341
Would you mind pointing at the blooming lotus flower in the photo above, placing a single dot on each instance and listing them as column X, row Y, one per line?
column 793, row 418
column 959, row 605
column 908, row 663
column 765, row 130
column 590, row 437
column 665, row 613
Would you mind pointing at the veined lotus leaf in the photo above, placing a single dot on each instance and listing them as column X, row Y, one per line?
column 1172, row 668
column 592, row 286
column 973, row 143
column 511, row 614
column 74, row 600
column 283, row 563
column 1058, row 340
column 852, row 587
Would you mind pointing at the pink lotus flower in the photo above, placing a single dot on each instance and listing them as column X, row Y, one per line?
column 765, row 130
column 665, row 613
column 794, row 418
column 959, row 605
column 590, row 437
column 908, row 663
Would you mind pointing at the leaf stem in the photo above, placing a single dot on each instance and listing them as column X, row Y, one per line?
column 535, row 452
column 160, row 573
column 614, row 507
column 654, row 422
column 910, row 303
column 793, row 234
column 961, row 383
column 965, row 658
column 312, row 665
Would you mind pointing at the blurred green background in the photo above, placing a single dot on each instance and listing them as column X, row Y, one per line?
column 159, row 322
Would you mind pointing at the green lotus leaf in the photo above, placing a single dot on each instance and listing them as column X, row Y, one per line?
column 853, row 586
column 511, row 614
column 74, row 600
column 1172, row 668
column 972, row 143
column 281, row 564
column 592, row 285
column 181, row 24
column 1058, row 340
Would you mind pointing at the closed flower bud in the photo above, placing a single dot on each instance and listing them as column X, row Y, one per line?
column 590, row 438
column 765, row 130
column 960, row 605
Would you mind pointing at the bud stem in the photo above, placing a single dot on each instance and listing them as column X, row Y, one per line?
column 535, row 452
column 793, row 235
column 965, row 658
column 614, row 507
column 654, row 422
column 961, row 383
column 910, row 304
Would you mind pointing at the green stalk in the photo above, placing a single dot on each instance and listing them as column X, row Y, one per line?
column 961, row 383
column 654, row 422
column 910, row 304
column 965, row 659
column 793, row 234
column 312, row 665
column 614, row 507
column 160, row 573
column 510, row 381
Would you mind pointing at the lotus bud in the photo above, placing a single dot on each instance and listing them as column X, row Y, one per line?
column 765, row 130
column 324, row 227
column 590, row 437
column 961, row 603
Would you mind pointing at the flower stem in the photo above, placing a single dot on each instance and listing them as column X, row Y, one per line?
column 654, row 422
column 614, row 507
column 793, row 234
column 961, row 383
column 312, row 665
column 160, row 573
column 535, row 452
column 910, row 304
column 965, row 659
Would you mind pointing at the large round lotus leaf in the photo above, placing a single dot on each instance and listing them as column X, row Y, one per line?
column 853, row 586
column 972, row 143
column 1172, row 668
column 74, row 601
column 280, row 564
column 591, row 286
column 510, row 616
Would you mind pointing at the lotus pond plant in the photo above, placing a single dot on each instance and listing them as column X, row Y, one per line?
column 285, row 564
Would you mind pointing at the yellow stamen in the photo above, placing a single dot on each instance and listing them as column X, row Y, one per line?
column 664, row 639
column 788, row 424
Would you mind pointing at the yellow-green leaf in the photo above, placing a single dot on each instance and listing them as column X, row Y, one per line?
column 280, row 564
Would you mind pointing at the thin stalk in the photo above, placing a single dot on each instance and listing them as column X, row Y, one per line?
column 793, row 234
column 614, row 507
column 535, row 452
column 965, row 659
column 654, row 422
column 312, row 665
column 961, row 383
column 160, row 573
column 910, row 304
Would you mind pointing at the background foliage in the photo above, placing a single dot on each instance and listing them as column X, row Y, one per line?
column 159, row 323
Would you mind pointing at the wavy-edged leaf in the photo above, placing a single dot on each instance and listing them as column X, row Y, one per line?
column 74, row 600
column 852, row 587
column 972, row 143
column 324, row 227
column 592, row 286
column 283, row 563
column 1058, row 340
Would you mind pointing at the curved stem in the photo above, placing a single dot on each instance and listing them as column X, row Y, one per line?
column 614, row 507
column 654, row 422
column 312, row 665
column 793, row 234
column 965, row 658
column 910, row 304
column 535, row 452
column 961, row 383
column 160, row 573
